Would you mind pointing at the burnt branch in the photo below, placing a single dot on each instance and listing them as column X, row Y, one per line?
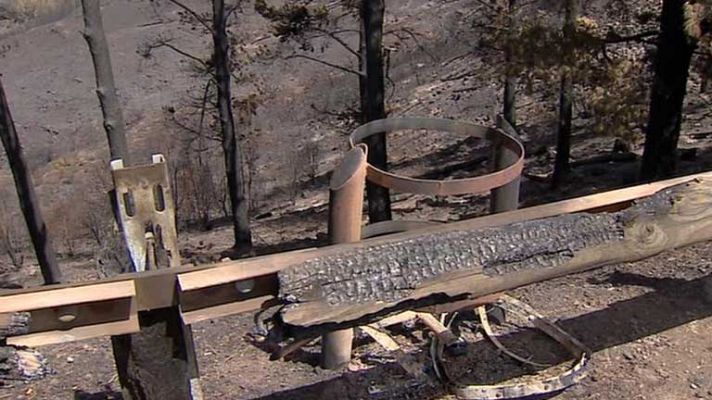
column 198, row 18
column 614, row 38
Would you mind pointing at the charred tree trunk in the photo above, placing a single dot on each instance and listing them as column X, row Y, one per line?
column 105, row 87
column 510, row 79
column 360, row 284
column 26, row 195
column 566, row 94
column 672, row 64
column 510, row 88
column 158, row 362
column 231, row 149
column 372, row 94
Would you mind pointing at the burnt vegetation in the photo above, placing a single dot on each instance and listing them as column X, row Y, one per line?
column 604, row 69
column 602, row 93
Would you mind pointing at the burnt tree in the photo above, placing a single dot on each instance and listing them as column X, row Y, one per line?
column 566, row 93
column 231, row 149
column 29, row 203
column 295, row 20
column 158, row 362
column 510, row 79
column 105, row 87
column 672, row 63
column 372, row 95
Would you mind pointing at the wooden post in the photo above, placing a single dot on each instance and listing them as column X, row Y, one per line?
column 345, row 212
column 504, row 198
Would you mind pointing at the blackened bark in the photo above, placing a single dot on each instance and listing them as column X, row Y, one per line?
column 357, row 285
column 372, row 94
column 26, row 195
column 562, row 166
column 14, row 324
column 563, row 139
column 510, row 79
column 510, row 112
column 387, row 272
column 672, row 64
column 159, row 362
column 105, row 87
column 231, row 149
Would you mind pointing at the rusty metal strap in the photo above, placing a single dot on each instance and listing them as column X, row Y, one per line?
column 479, row 184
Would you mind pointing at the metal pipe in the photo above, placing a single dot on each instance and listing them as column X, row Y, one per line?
column 345, row 213
column 505, row 198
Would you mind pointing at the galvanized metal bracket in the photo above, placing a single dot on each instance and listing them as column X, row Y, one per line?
column 147, row 213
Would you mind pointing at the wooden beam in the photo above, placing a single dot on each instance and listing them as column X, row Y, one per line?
column 78, row 333
column 156, row 289
column 66, row 296
column 74, row 313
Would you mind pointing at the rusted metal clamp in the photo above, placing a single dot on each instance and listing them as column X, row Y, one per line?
column 479, row 184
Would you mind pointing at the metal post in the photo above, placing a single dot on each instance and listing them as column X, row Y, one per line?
column 345, row 212
column 504, row 198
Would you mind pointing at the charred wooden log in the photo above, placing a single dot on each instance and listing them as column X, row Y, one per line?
column 17, row 363
column 14, row 324
column 365, row 283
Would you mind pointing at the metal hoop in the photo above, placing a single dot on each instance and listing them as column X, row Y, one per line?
column 479, row 184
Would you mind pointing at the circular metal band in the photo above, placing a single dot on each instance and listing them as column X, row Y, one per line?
column 479, row 184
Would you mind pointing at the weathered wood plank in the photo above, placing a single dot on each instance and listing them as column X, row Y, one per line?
column 76, row 333
column 69, row 314
column 354, row 287
column 52, row 297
